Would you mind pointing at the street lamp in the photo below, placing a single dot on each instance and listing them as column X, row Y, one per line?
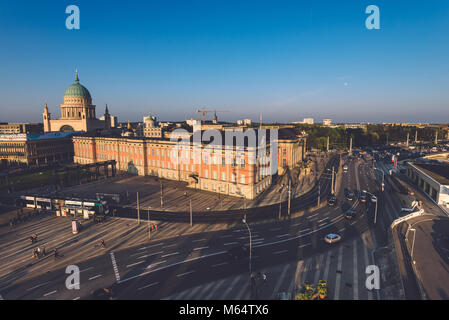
column 149, row 225
column 250, row 245
column 413, row 243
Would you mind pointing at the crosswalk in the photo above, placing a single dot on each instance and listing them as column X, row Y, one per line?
column 343, row 267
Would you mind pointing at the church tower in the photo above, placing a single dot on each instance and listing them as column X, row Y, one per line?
column 107, row 119
column 46, row 117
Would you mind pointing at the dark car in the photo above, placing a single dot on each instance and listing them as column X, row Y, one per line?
column 238, row 253
column 350, row 214
column 332, row 201
column 363, row 196
column 350, row 195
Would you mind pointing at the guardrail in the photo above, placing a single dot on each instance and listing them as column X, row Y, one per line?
column 404, row 218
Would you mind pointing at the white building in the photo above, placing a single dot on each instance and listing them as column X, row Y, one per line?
column 327, row 122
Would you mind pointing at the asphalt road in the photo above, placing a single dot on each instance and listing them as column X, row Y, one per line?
column 164, row 268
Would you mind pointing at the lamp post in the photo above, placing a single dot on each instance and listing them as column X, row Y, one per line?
column 250, row 245
column 149, row 225
column 162, row 200
column 413, row 243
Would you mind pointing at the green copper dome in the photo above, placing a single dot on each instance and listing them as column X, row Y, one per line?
column 77, row 90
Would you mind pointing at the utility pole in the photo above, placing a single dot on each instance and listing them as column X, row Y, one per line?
column 138, row 209
column 332, row 186
column 416, row 135
column 375, row 214
column 190, row 204
column 162, row 200
column 289, row 195
column 319, row 193
column 149, row 226
column 350, row 146
column 408, row 136
column 280, row 204
column 436, row 137
column 327, row 148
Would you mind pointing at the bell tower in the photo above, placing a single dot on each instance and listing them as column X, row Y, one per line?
column 46, row 117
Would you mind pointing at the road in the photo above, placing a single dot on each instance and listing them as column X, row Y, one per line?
column 197, row 266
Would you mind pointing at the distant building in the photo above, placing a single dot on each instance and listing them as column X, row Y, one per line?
column 77, row 112
column 36, row 149
column 308, row 121
column 151, row 128
column 327, row 122
column 355, row 126
column 14, row 128
column 201, row 168
column 431, row 175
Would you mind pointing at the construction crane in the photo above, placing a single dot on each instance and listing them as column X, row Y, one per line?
column 204, row 111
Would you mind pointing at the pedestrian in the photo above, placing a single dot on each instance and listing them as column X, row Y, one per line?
column 43, row 251
column 156, row 227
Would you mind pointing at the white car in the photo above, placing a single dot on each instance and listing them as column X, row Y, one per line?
column 373, row 198
column 332, row 238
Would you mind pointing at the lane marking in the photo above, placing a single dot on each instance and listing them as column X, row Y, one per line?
column 200, row 248
column 230, row 287
column 304, row 245
column 150, row 285
column 39, row 285
column 172, row 265
column 154, row 245
column 86, row 269
column 149, row 255
column 114, row 265
column 133, row 264
column 219, row 264
column 170, row 254
column 199, row 240
column 283, row 235
column 154, row 264
column 50, row 293
column 77, row 298
column 95, row 277
column 281, row 278
column 229, row 243
column 338, row 276
column 279, row 252
column 356, row 282
column 185, row 273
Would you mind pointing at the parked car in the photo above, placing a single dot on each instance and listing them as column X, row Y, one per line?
column 373, row 199
column 332, row 201
column 350, row 195
column 350, row 214
column 363, row 196
column 332, row 238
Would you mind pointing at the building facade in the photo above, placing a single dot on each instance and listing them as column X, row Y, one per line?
column 15, row 128
column 199, row 166
column 36, row 149
column 77, row 112
column 432, row 177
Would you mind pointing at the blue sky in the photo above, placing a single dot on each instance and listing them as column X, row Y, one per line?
column 286, row 59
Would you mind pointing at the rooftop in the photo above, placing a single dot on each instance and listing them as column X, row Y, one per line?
column 437, row 171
